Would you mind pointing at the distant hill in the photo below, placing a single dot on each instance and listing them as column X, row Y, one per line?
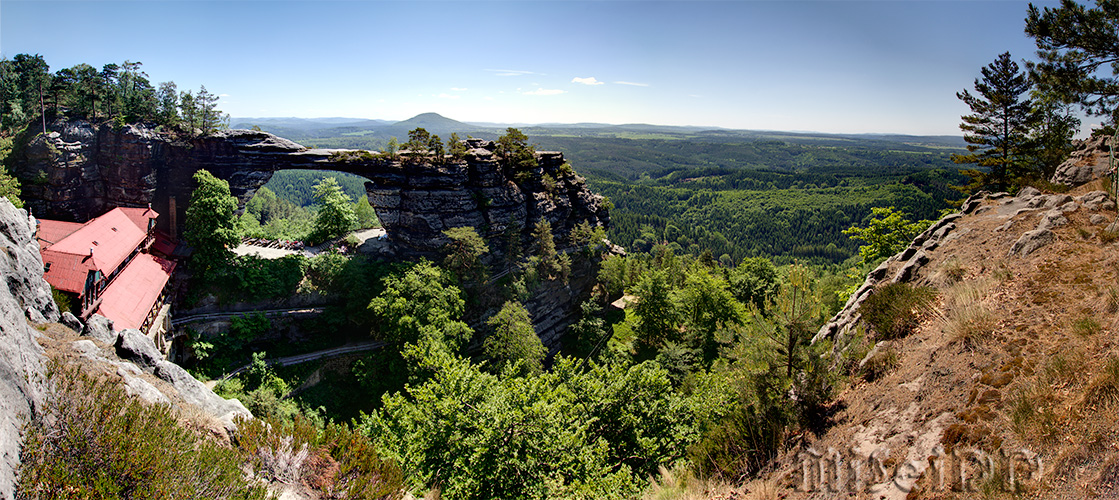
column 432, row 122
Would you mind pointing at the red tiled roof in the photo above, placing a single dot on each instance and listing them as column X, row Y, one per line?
column 112, row 238
column 139, row 216
column 135, row 290
column 163, row 244
column 53, row 231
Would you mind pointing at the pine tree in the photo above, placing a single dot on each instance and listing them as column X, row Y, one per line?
column 1074, row 43
column 998, row 131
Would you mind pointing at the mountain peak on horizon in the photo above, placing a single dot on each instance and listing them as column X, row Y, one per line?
column 423, row 119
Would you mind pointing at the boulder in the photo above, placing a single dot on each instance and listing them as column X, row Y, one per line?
column 72, row 322
column 1097, row 219
column 1051, row 219
column 1028, row 192
column 135, row 385
column 1093, row 200
column 100, row 328
column 1087, row 162
column 1031, row 241
column 197, row 394
column 136, row 347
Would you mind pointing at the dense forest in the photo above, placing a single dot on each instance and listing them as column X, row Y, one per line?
column 734, row 194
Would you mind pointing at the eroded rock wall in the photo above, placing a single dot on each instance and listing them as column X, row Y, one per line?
column 80, row 170
column 25, row 296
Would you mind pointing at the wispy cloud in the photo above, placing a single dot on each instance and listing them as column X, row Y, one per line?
column 223, row 95
column 544, row 92
column 633, row 84
column 586, row 81
column 511, row 72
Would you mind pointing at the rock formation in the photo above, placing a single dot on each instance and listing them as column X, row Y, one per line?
column 25, row 303
column 79, row 170
column 1089, row 161
column 26, row 296
column 1024, row 282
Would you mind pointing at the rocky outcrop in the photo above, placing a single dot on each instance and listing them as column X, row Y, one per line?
column 1051, row 212
column 79, row 170
column 25, row 296
column 1087, row 162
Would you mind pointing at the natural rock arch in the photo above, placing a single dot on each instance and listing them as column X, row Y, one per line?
column 89, row 169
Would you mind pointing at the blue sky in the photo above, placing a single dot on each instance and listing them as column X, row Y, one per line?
column 829, row 66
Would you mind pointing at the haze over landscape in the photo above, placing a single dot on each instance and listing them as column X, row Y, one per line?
column 826, row 66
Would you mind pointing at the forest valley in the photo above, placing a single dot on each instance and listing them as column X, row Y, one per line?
column 738, row 248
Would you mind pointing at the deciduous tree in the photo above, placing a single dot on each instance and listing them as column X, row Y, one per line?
column 464, row 253
column 335, row 216
column 211, row 227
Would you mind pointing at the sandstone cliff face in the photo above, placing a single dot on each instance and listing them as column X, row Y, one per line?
column 1089, row 161
column 79, row 170
column 25, row 296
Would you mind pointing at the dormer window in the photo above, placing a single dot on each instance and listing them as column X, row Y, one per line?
column 46, row 268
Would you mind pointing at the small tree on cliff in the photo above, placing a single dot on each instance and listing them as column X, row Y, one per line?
column 464, row 253
column 456, row 147
column 514, row 151
column 418, row 141
column 211, row 228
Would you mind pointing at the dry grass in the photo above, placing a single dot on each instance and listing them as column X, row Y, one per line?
column 1103, row 390
column 682, row 484
column 1106, row 236
column 1086, row 326
column 951, row 272
column 967, row 318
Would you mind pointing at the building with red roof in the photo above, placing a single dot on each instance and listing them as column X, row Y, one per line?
column 105, row 264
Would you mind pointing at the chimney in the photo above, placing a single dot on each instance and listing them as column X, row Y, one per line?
column 91, row 251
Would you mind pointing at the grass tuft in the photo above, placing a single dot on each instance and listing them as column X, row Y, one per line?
column 1104, row 387
column 967, row 319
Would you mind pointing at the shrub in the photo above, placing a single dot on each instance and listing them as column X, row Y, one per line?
column 744, row 442
column 894, row 310
column 879, row 364
column 91, row 440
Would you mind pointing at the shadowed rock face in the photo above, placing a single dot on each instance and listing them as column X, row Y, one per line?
column 80, row 170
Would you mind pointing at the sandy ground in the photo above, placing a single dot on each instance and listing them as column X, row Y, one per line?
column 370, row 239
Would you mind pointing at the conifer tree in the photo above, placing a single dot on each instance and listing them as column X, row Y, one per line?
column 1074, row 43
column 514, row 340
column 997, row 131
